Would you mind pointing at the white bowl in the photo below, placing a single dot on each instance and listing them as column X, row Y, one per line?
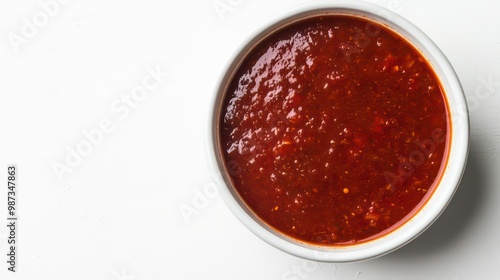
column 436, row 203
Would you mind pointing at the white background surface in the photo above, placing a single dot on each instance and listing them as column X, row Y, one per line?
column 116, row 215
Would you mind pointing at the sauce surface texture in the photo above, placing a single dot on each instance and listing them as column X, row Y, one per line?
column 335, row 130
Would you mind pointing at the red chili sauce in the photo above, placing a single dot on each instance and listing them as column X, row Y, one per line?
column 335, row 130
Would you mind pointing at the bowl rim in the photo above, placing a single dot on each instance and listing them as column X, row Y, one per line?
column 435, row 204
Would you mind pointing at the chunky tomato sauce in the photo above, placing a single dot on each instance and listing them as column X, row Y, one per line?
column 335, row 130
